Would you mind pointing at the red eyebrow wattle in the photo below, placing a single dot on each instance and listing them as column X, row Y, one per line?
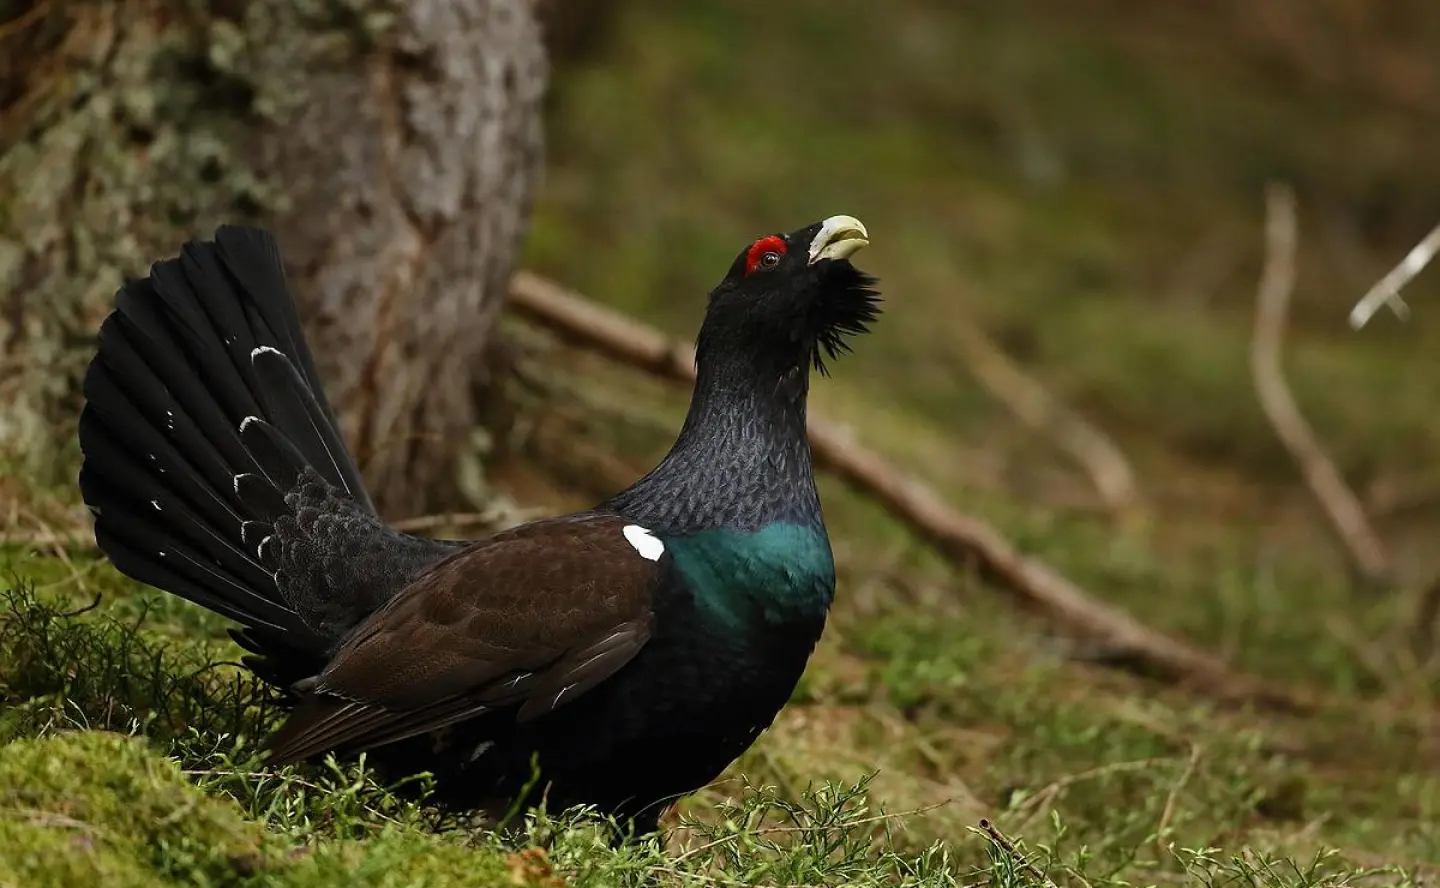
column 770, row 243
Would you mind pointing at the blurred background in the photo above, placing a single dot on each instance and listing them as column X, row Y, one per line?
column 1082, row 181
column 1067, row 202
column 1080, row 188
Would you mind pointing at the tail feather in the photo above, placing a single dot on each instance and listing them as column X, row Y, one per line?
column 152, row 553
column 112, row 471
column 252, row 257
column 211, row 453
column 265, row 498
column 292, row 405
column 225, row 379
column 138, row 327
column 139, row 563
column 204, row 271
column 197, row 475
column 280, row 461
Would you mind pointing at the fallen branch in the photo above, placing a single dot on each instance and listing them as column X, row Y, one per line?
column 1034, row 406
column 1003, row 843
column 964, row 540
column 1277, row 282
column 1387, row 290
column 24, row 20
column 67, row 541
column 1426, row 622
column 490, row 520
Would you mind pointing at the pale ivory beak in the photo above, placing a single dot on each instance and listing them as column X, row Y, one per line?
column 838, row 238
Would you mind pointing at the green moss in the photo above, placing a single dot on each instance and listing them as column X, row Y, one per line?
column 95, row 808
column 953, row 712
column 399, row 859
column 81, row 806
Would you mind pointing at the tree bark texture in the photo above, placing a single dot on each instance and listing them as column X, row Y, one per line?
column 391, row 144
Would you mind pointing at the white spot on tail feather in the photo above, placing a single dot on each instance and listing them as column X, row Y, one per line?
column 156, row 504
column 515, row 680
column 481, row 749
column 554, row 704
column 648, row 546
column 265, row 348
column 247, row 420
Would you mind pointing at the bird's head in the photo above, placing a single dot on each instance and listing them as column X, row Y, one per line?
column 794, row 298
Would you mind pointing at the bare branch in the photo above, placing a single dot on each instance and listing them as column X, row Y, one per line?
column 1034, row 406
column 964, row 540
column 1277, row 282
column 1003, row 842
column 1387, row 290
column 489, row 520
column 63, row 541
column 1425, row 621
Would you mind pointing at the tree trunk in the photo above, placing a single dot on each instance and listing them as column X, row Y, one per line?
column 391, row 144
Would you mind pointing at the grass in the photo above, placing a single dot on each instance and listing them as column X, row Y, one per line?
column 133, row 758
column 1095, row 206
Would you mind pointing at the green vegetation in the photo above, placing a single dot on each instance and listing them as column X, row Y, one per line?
column 1049, row 171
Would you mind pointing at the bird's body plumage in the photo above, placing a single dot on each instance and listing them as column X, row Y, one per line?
column 631, row 652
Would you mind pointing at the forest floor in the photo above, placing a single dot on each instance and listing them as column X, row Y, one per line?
column 1097, row 209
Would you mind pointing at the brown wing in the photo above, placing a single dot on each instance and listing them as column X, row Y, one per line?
column 534, row 616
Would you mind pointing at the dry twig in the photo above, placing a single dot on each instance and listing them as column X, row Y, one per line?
column 1425, row 622
column 62, row 541
column 491, row 519
column 1003, row 842
column 1387, row 290
column 24, row 20
column 964, row 540
column 1277, row 283
column 1034, row 406
column 1161, row 838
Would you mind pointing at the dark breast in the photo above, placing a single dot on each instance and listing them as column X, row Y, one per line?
column 688, row 705
column 737, row 616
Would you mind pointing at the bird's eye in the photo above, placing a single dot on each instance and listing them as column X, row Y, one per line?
column 765, row 253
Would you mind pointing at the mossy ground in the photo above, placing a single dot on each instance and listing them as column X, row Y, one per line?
column 1050, row 173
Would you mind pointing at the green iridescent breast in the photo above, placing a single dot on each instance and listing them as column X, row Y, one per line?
column 782, row 573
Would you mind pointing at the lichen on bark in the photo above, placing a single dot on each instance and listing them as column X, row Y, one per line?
column 391, row 144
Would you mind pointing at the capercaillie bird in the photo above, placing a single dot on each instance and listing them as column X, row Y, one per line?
column 630, row 652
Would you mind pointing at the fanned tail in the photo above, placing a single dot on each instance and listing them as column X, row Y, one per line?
column 214, row 466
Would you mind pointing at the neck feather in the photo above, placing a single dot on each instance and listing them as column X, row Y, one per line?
column 742, row 459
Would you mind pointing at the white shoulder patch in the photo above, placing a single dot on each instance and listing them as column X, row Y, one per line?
column 649, row 548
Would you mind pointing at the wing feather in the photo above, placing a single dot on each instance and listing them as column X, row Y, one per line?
column 529, row 620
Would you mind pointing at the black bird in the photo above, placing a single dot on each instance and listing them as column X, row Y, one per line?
column 630, row 652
